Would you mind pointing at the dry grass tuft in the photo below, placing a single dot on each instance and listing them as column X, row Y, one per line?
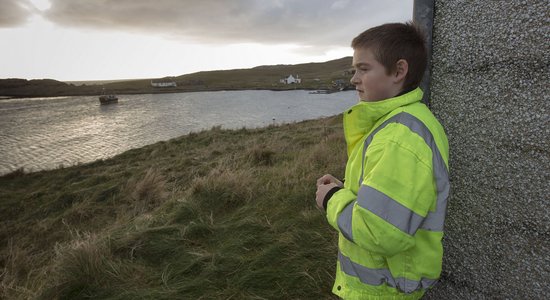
column 331, row 151
column 261, row 156
column 14, row 174
column 146, row 192
column 16, row 264
column 222, row 190
column 80, row 267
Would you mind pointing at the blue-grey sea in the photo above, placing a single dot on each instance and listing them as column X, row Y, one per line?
column 46, row 133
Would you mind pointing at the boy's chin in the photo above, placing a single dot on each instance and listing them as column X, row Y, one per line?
column 366, row 99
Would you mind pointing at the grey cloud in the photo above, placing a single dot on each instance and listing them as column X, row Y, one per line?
column 15, row 12
column 304, row 22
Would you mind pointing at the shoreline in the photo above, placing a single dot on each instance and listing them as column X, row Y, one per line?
column 320, row 90
column 330, row 75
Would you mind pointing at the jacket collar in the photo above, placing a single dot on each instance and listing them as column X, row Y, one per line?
column 361, row 117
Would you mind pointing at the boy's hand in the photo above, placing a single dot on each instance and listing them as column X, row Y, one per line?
column 327, row 178
column 322, row 191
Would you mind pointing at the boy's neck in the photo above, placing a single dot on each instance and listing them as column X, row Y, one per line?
column 404, row 91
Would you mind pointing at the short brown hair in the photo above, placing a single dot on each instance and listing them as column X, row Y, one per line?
column 394, row 41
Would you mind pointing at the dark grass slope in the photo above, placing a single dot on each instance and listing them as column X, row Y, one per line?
column 219, row 214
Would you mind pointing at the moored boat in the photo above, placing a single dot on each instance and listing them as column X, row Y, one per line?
column 108, row 99
column 323, row 92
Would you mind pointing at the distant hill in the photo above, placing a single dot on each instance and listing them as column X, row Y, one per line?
column 96, row 82
column 14, row 87
column 313, row 76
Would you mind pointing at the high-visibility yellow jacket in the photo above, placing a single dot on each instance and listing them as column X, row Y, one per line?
column 391, row 210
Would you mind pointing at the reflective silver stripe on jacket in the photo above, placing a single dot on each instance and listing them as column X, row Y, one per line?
column 387, row 208
column 381, row 276
column 344, row 221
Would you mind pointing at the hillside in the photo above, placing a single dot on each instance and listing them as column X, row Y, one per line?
column 14, row 87
column 218, row 214
column 313, row 75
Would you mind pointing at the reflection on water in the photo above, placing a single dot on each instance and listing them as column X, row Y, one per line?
column 44, row 133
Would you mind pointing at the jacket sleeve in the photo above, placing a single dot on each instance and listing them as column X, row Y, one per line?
column 396, row 194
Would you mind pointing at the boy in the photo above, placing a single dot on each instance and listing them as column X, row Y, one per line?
column 391, row 208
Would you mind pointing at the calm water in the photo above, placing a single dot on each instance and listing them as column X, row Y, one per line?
column 45, row 133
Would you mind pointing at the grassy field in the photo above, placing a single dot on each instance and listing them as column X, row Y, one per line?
column 217, row 214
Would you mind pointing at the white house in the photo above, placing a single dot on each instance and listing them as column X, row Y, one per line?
column 291, row 79
column 163, row 83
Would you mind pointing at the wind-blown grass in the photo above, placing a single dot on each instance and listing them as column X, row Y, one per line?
column 218, row 214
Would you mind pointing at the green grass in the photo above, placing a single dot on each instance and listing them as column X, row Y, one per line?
column 218, row 214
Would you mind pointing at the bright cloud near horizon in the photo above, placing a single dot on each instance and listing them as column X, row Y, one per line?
column 72, row 40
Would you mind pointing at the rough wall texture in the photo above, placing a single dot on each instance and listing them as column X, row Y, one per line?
column 490, row 79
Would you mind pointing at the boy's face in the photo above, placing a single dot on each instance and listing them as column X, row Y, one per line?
column 370, row 79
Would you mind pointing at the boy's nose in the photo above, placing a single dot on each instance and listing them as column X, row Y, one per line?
column 354, row 80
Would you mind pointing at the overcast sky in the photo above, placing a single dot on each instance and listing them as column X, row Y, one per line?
column 123, row 39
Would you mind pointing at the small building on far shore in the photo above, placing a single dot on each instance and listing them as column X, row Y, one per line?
column 162, row 83
column 291, row 80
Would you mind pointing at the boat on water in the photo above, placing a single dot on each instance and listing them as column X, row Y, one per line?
column 108, row 99
column 323, row 92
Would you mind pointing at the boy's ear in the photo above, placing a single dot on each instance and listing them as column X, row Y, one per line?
column 401, row 70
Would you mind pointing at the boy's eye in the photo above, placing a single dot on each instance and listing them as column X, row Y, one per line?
column 360, row 69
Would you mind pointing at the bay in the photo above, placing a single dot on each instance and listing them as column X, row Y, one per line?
column 46, row 133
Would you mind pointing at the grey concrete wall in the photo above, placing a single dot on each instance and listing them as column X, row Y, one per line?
column 489, row 88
